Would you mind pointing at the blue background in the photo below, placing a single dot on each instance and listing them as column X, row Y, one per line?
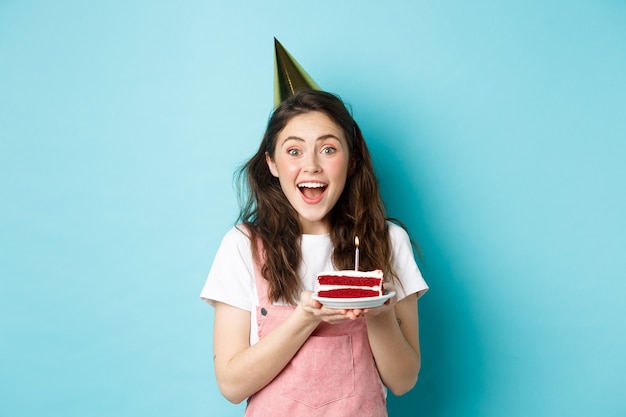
column 499, row 135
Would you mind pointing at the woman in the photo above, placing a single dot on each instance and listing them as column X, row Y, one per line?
column 310, row 189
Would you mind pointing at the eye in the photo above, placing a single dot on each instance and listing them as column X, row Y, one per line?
column 328, row 150
column 293, row 151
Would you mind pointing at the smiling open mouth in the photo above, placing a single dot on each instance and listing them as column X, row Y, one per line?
column 312, row 190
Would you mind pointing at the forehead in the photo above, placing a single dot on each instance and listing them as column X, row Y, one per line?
column 311, row 125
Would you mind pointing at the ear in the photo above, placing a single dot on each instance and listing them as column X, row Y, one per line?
column 271, row 164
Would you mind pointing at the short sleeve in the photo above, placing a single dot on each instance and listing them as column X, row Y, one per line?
column 404, row 263
column 231, row 277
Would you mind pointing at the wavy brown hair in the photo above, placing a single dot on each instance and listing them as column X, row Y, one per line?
column 270, row 218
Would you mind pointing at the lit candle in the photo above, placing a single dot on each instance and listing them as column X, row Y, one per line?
column 356, row 254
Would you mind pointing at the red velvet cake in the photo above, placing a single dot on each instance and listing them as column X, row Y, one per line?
column 350, row 284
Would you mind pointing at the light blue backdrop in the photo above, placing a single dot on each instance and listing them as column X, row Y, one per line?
column 499, row 135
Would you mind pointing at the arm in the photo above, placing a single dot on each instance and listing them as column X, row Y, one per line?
column 393, row 333
column 241, row 369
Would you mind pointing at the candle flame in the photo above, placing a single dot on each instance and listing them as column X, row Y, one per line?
column 356, row 241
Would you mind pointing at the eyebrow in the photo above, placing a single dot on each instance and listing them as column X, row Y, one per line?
column 323, row 137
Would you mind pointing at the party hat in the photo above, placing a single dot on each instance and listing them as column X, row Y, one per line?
column 289, row 76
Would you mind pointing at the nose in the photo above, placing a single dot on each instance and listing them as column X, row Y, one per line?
column 311, row 163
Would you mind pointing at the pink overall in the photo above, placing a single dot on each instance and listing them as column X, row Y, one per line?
column 333, row 374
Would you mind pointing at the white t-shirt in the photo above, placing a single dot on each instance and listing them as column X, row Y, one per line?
column 231, row 278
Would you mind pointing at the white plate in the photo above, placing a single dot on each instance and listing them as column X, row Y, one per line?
column 366, row 302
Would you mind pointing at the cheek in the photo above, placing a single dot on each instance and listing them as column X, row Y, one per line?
column 285, row 169
column 339, row 168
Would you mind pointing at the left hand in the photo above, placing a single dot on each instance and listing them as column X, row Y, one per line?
column 355, row 313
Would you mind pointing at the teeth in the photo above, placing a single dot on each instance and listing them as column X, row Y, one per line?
column 311, row 185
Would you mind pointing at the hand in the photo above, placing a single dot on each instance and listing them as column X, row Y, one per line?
column 321, row 313
column 332, row 315
column 387, row 305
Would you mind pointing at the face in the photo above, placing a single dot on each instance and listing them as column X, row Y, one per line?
column 311, row 161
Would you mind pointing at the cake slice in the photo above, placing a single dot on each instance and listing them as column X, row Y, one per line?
column 350, row 284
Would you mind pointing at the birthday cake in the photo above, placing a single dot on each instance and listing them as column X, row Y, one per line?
column 350, row 284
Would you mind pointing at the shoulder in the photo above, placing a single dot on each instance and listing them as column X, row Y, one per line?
column 237, row 237
column 235, row 245
column 404, row 263
column 401, row 244
column 231, row 277
column 398, row 234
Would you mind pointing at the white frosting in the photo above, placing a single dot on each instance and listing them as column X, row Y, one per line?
column 343, row 287
column 377, row 273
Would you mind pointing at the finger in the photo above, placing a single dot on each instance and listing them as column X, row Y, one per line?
column 328, row 310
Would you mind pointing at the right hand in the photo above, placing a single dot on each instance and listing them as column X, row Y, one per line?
column 319, row 312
